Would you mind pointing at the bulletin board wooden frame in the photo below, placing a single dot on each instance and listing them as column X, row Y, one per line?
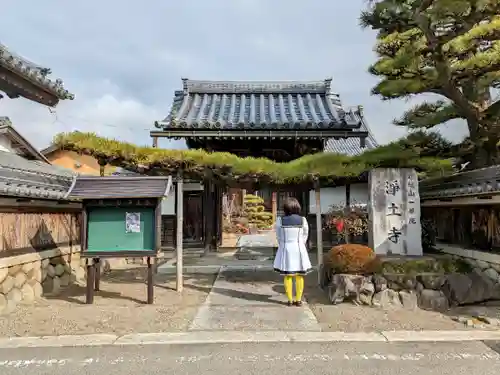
column 93, row 256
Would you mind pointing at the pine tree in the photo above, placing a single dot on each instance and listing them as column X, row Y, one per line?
column 450, row 48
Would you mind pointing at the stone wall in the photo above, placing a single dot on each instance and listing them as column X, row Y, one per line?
column 482, row 262
column 431, row 291
column 25, row 278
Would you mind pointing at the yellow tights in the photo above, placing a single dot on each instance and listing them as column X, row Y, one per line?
column 299, row 287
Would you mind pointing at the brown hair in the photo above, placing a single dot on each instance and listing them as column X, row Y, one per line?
column 291, row 206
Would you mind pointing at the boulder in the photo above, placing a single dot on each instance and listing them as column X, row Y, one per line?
column 496, row 266
column 401, row 281
column 51, row 271
column 27, row 267
column 380, row 283
column 366, row 292
column 19, row 279
column 28, row 293
column 346, row 287
column 491, row 273
column 7, row 284
column 462, row 289
column 482, row 264
column 430, row 299
column 4, row 272
column 387, row 298
column 431, row 280
column 15, row 296
column 59, row 269
column 409, row 299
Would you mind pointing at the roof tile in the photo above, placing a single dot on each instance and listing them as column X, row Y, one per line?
column 264, row 105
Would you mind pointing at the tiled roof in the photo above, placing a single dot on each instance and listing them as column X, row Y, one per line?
column 19, row 142
column 125, row 187
column 484, row 181
column 259, row 105
column 32, row 179
column 33, row 73
column 351, row 146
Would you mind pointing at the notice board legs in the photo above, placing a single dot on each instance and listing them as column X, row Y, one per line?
column 97, row 272
column 90, row 282
column 150, row 282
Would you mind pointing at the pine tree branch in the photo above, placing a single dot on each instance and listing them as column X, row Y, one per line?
column 427, row 115
column 493, row 109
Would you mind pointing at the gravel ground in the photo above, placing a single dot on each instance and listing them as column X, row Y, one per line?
column 350, row 318
column 118, row 308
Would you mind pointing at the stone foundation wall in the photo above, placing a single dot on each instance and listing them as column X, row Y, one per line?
column 482, row 262
column 25, row 278
column 428, row 291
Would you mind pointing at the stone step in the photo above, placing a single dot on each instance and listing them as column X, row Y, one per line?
column 255, row 253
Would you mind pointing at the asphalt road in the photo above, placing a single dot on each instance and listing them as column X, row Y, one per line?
column 264, row 359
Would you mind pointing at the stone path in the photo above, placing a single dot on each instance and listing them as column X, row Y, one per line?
column 251, row 301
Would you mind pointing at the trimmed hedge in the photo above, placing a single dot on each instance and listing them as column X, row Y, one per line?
column 231, row 168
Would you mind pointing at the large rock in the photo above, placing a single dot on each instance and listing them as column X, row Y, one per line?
column 51, row 271
column 496, row 266
column 409, row 299
column 386, row 299
column 380, row 283
column 15, row 296
column 27, row 267
column 3, row 303
column 401, row 281
column 431, row 280
column 491, row 273
column 462, row 289
column 366, row 292
column 345, row 287
column 7, row 284
column 482, row 264
column 28, row 293
column 19, row 279
column 4, row 272
column 59, row 269
column 430, row 299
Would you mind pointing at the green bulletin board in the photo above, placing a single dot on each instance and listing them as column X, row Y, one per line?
column 107, row 229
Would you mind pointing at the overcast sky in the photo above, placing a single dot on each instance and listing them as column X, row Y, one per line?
column 124, row 59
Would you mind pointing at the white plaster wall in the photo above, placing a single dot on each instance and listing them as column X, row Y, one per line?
column 328, row 197
column 336, row 196
column 394, row 212
column 5, row 144
column 168, row 203
column 359, row 194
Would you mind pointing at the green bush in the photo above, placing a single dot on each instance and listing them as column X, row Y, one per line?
column 254, row 211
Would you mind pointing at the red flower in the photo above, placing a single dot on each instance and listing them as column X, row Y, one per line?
column 339, row 225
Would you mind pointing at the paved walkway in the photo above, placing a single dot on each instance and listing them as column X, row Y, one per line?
column 250, row 301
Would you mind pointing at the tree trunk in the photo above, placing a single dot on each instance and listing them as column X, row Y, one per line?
column 485, row 152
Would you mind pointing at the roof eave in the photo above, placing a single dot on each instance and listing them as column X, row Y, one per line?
column 257, row 133
column 35, row 75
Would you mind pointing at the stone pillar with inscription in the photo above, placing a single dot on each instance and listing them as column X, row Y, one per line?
column 394, row 212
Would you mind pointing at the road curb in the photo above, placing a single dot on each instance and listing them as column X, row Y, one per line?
column 236, row 337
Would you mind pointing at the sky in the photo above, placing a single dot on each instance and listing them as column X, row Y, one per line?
column 123, row 60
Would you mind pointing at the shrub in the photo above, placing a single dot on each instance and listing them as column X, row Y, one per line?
column 428, row 235
column 351, row 258
column 254, row 211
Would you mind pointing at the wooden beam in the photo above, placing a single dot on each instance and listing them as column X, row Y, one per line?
column 178, row 242
column 274, row 205
column 319, row 231
column 280, row 134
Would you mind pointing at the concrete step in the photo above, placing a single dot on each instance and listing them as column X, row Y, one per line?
column 255, row 253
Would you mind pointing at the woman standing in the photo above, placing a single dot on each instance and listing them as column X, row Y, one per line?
column 292, row 259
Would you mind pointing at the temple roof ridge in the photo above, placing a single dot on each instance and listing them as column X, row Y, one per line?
column 256, row 87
